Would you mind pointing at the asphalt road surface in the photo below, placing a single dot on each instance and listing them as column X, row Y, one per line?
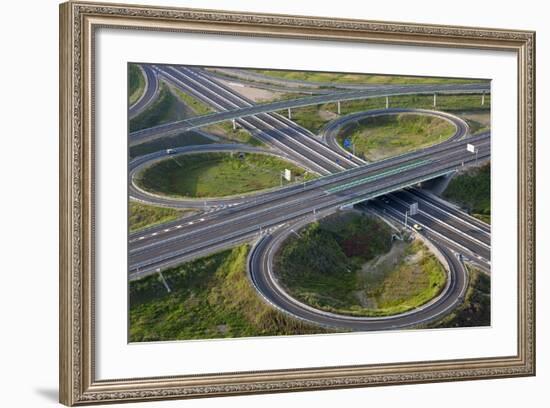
column 170, row 246
column 237, row 107
column 346, row 180
column 260, row 264
column 140, row 163
column 150, row 91
column 330, row 132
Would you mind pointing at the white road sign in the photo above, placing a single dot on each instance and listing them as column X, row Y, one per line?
column 471, row 148
column 288, row 175
column 413, row 209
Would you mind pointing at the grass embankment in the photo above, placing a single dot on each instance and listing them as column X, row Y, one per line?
column 172, row 105
column 316, row 116
column 384, row 136
column 197, row 106
column 476, row 309
column 215, row 174
column 394, row 287
column 136, row 83
column 472, row 190
column 166, row 108
column 344, row 78
column 210, row 297
column 347, row 264
column 225, row 130
column 143, row 216
column 478, row 122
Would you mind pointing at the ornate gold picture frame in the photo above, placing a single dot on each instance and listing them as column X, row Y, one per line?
column 78, row 24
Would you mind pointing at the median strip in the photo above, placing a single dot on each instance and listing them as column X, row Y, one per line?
column 377, row 176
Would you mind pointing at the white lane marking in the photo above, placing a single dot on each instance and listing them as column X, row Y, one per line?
column 444, row 223
column 419, row 197
column 271, row 115
column 227, row 100
column 293, row 201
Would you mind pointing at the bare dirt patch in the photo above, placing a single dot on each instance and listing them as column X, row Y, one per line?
column 254, row 94
column 408, row 271
column 479, row 121
column 327, row 115
column 374, row 271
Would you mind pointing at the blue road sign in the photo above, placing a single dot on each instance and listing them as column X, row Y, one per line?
column 347, row 143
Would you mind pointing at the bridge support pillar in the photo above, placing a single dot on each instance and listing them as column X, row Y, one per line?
column 289, row 113
column 234, row 124
column 339, row 108
column 387, row 102
column 435, row 100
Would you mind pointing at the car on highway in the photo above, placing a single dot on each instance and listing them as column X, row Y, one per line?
column 417, row 227
column 170, row 151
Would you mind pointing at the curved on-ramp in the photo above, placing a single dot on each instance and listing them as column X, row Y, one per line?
column 184, row 125
column 260, row 270
column 150, row 91
column 261, row 257
column 330, row 132
column 142, row 162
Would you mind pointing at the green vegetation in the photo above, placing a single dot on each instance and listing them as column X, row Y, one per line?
column 210, row 297
column 182, row 139
column 136, row 83
column 225, row 130
column 199, row 107
column 476, row 127
column 472, row 190
column 143, row 216
column 343, row 78
column 476, row 309
column 316, row 116
column 395, row 287
column 172, row 105
column 478, row 122
column 312, row 117
column 166, row 108
column 215, row 174
column 347, row 264
column 390, row 135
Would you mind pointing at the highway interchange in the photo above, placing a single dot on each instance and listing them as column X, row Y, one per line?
column 151, row 91
column 268, row 217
